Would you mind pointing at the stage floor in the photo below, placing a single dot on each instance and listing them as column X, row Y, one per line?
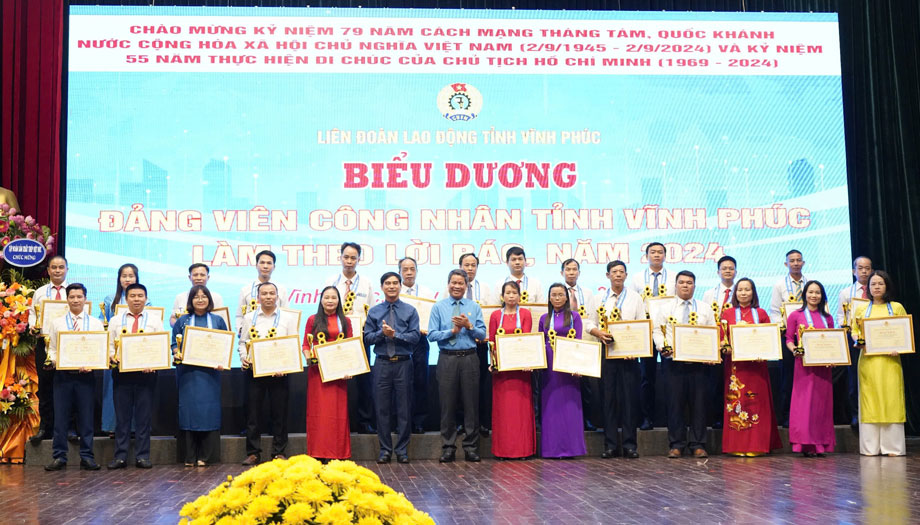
column 783, row 488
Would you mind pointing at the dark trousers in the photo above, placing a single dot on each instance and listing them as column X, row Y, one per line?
column 277, row 389
column 853, row 384
column 419, row 385
column 133, row 392
column 716, row 394
column 589, row 394
column 393, row 382
column 73, row 393
column 485, row 385
column 45, row 388
column 458, row 377
column 203, row 445
column 620, row 379
column 365, row 384
column 687, row 387
column 648, row 370
column 786, row 373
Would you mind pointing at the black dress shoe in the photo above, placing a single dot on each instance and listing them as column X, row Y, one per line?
column 37, row 437
column 143, row 463
column 646, row 425
column 367, row 429
column 402, row 458
column 589, row 426
column 630, row 454
column 57, row 464
column 384, row 457
column 73, row 437
column 472, row 457
column 484, row 432
column 460, row 429
column 446, row 457
column 418, row 430
column 117, row 464
column 610, row 453
column 89, row 464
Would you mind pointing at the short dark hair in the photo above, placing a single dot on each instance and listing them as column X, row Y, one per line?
column 404, row 259
column 612, row 264
column 790, row 252
column 726, row 258
column 194, row 292
column 387, row 275
column 202, row 265
column 889, row 286
column 58, row 256
column 514, row 250
column 266, row 252
column 74, row 286
column 570, row 260
column 266, row 283
column 462, row 273
column 135, row 286
column 858, row 257
column 354, row 245
column 465, row 255
column 685, row 273
column 651, row 245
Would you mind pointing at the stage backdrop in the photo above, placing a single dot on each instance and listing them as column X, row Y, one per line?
column 208, row 134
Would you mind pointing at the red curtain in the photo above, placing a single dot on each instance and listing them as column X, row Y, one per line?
column 30, row 102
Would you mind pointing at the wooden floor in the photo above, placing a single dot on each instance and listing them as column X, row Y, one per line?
column 783, row 488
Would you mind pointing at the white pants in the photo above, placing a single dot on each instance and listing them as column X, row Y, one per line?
column 882, row 438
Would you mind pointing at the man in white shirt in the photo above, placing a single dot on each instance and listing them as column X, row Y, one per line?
column 266, row 321
column 480, row 292
column 582, row 301
column 249, row 294
column 620, row 377
column 686, row 382
column 720, row 295
column 408, row 271
column 133, row 391
column 477, row 291
column 862, row 269
column 198, row 274
column 74, row 390
column 56, row 290
column 788, row 288
column 653, row 279
column 516, row 260
column 349, row 282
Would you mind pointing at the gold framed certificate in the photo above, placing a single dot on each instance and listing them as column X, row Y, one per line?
column 520, row 351
column 154, row 310
column 789, row 307
column 577, row 356
column 696, row 344
column 50, row 310
column 655, row 305
column 631, row 339
column 826, row 346
column 276, row 355
column 148, row 350
column 422, row 306
column 293, row 315
column 756, row 342
column 357, row 323
column 487, row 310
column 536, row 310
column 78, row 350
column 855, row 304
column 341, row 358
column 207, row 347
column 224, row 313
column 885, row 335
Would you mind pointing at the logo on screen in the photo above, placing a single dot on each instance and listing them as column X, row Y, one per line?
column 459, row 101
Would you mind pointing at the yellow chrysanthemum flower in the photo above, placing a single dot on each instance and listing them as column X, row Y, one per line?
column 423, row 518
column 315, row 492
column 280, row 489
column 334, row 513
column 203, row 520
column 370, row 520
column 397, row 503
column 236, row 498
column 334, row 476
column 261, row 508
column 298, row 513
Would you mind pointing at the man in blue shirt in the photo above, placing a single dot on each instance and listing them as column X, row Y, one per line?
column 392, row 328
column 455, row 324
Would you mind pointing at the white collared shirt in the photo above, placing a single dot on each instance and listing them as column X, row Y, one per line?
column 61, row 324
column 150, row 323
column 360, row 284
column 40, row 296
column 703, row 311
column 263, row 324
column 533, row 287
column 418, row 290
column 251, row 291
column 638, row 282
column 781, row 295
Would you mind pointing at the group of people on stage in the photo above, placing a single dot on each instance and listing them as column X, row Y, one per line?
column 509, row 404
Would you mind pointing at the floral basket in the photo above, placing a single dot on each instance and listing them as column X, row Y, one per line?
column 303, row 490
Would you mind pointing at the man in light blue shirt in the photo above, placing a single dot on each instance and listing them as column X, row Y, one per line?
column 455, row 324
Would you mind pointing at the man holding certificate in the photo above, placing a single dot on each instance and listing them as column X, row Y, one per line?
column 392, row 328
column 266, row 322
column 133, row 391
column 74, row 388
column 619, row 377
column 686, row 381
column 408, row 271
column 789, row 288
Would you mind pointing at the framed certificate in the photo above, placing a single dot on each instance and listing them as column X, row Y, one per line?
column 855, row 304
column 341, row 358
column 207, row 347
column 224, row 313
column 293, row 315
column 756, row 342
column 630, row 339
column 696, row 344
column 825, row 347
column 357, row 323
column 577, row 356
column 654, row 305
column 536, row 310
column 790, row 307
column 520, row 351
column 78, row 350
column 52, row 309
column 141, row 351
column 487, row 310
column 154, row 310
column 422, row 306
column 276, row 355
column 885, row 335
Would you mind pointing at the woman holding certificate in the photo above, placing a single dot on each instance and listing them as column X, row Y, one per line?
column 127, row 274
column 560, row 400
column 881, row 381
column 749, row 421
column 199, row 387
column 327, row 403
column 514, row 433
column 811, row 413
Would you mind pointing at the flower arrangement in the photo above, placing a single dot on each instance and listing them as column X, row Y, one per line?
column 13, row 225
column 15, row 302
column 15, row 401
column 303, row 490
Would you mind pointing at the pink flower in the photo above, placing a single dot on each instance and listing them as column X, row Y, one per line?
column 30, row 235
column 5, row 393
column 4, row 241
column 13, row 211
column 29, row 220
column 50, row 239
column 4, row 226
column 21, row 327
column 5, row 207
column 24, row 382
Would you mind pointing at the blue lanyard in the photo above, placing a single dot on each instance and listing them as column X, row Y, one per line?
column 124, row 321
column 70, row 322
column 523, row 281
column 853, row 290
column 789, row 287
column 50, row 288
column 517, row 317
column 717, row 299
column 753, row 312
column 354, row 283
column 476, row 290
column 808, row 318
column 581, row 296
column 620, row 298
column 869, row 310
column 571, row 321
column 663, row 280
column 277, row 315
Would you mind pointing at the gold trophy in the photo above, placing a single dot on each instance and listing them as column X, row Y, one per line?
column 726, row 344
column 38, row 317
column 782, row 315
column 799, row 349
column 846, row 316
column 664, row 331
column 177, row 356
column 860, row 332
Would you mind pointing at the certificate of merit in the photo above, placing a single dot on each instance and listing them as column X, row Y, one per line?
column 520, row 351
column 630, row 339
column 276, row 355
column 342, row 358
column 207, row 347
column 78, row 350
column 575, row 356
column 144, row 351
